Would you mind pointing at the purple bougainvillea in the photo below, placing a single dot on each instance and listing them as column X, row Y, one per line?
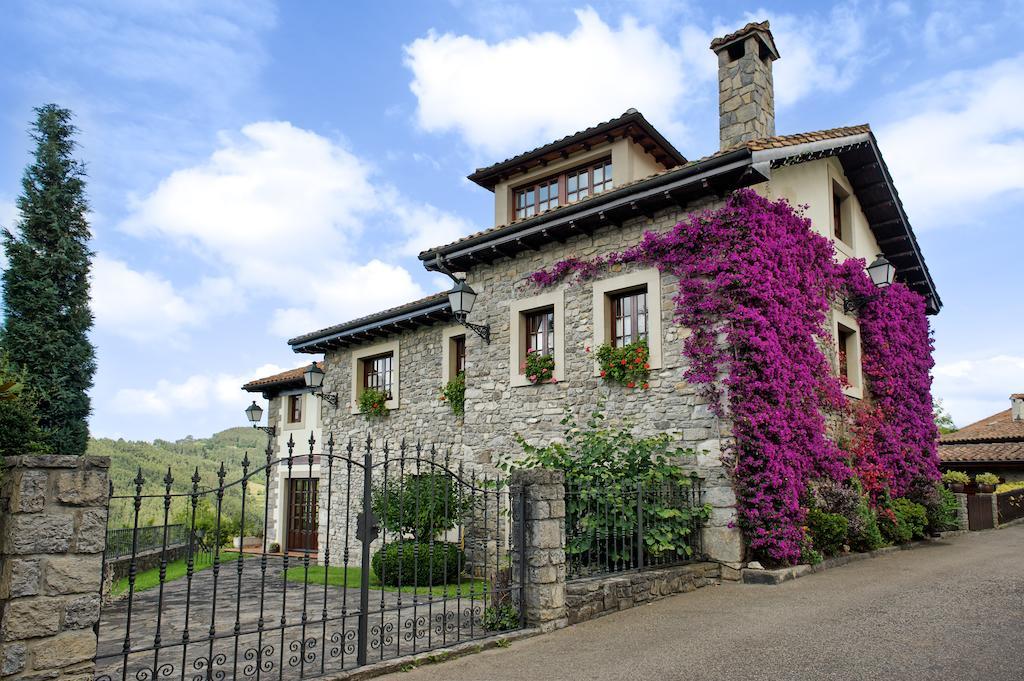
column 755, row 286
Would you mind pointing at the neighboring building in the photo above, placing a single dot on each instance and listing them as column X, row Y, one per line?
column 992, row 445
column 591, row 193
column 292, row 495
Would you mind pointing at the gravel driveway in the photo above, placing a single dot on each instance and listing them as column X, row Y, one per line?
column 950, row 610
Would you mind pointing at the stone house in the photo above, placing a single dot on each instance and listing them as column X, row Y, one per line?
column 593, row 192
column 994, row 444
column 292, row 497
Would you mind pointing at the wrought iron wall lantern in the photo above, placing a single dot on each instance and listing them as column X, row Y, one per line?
column 314, row 379
column 254, row 413
column 461, row 298
column 882, row 273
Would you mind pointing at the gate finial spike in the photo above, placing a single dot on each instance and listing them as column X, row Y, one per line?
column 168, row 479
column 245, row 462
column 139, row 480
column 196, row 478
column 312, row 441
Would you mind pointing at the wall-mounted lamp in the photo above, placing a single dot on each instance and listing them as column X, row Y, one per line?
column 314, row 379
column 462, row 298
column 882, row 273
column 254, row 413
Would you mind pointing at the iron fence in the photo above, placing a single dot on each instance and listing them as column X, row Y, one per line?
column 383, row 571
column 1010, row 505
column 631, row 525
column 122, row 541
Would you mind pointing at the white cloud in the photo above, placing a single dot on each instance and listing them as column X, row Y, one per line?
column 810, row 64
column 195, row 393
column 974, row 388
column 504, row 96
column 141, row 306
column 279, row 212
column 962, row 143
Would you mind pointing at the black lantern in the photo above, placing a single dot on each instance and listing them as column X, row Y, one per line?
column 462, row 297
column 254, row 413
column 882, row 272
column 314, row 377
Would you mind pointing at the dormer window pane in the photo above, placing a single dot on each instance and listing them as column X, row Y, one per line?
column 603, row 177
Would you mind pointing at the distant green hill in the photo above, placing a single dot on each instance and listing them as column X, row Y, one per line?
column 183, row 457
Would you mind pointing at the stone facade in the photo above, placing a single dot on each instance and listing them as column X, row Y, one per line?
column 52, row 538
column 746, row 95
column 596, row 596
column 498, row 409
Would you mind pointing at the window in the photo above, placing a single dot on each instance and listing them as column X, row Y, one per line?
column 537, row 324
column 848, row 355
column 377, row 373
column 459, row 354
column 375, row 366
column 627, row 308
column 842, row 229
column 540, row 331
column 629, row 317
column 571, row 186
column 295, row 409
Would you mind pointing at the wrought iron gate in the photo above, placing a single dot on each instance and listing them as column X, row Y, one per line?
column 415, row 552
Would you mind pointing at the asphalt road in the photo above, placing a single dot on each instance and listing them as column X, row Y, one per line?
column 947, row 611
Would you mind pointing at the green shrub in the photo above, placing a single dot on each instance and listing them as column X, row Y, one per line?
column 454, row 393
column 869, row 536
column 944, row 517
column 957, row 477
column 500, row 617
column 827, row 530
column 1009, row 487
column 423, row 505
column 418, row 562
column 986, row 479
column 902, row 520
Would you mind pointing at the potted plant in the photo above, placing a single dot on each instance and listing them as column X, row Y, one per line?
column 373, row 403
column 956, row 480
column 986, row 482
column 539, row 368
column 628, row 365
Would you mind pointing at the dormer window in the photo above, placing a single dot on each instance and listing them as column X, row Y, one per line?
column 558, row 190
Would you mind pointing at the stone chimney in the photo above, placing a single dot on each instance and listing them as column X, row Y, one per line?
column 1017, row 406
column 746, row 96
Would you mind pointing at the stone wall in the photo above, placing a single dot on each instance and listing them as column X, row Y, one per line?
column 497, row 411
column 543, row 529
column 52, row 538
column 596, row 596
column 746, row 95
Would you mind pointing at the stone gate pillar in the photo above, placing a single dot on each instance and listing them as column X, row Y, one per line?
column 543, row 528
column 53, row 521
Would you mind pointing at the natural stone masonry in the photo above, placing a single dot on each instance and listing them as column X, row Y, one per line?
column 596, row 596
column 543, row 525
column 52, row 538
column 746, row 96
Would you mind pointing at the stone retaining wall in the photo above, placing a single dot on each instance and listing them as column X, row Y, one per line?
column 53, row 528
column 596, row 596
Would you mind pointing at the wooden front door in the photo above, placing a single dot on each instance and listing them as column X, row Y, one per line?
column 303, row 514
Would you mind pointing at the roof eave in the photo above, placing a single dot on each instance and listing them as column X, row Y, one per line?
column 374, row 329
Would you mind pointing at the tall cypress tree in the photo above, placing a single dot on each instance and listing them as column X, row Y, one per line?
column 46, row 284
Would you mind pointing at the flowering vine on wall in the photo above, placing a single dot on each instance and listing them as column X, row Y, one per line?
column 754, row 274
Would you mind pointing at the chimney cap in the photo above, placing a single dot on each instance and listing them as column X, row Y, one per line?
column 759, row 29
column 1017, row 396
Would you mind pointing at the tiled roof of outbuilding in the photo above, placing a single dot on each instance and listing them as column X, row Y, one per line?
column 982, row 452
column 284, row 378
column 996, row 428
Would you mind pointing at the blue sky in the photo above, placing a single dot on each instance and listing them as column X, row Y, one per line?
column 259, row 170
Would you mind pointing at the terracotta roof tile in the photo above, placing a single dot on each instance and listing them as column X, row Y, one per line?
column 998, row 427
column 985, row 451
column 290, row 376
column 749, row 28
column 777, row 142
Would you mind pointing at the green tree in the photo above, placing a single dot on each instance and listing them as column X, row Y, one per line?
column 943, row 420
column 46, row 285
column 19, row 424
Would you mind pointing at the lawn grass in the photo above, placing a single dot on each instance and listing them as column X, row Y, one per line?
column 336, row 576
column 176, row 569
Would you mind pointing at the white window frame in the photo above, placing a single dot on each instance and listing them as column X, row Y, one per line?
column 517, row 343
column 447, row 334
column 605, row 288
column 846, row 247
column 285, row 398
column 855, row 374
column 366, row 352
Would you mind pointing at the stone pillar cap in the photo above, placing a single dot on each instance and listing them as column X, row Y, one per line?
column 760, row 30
